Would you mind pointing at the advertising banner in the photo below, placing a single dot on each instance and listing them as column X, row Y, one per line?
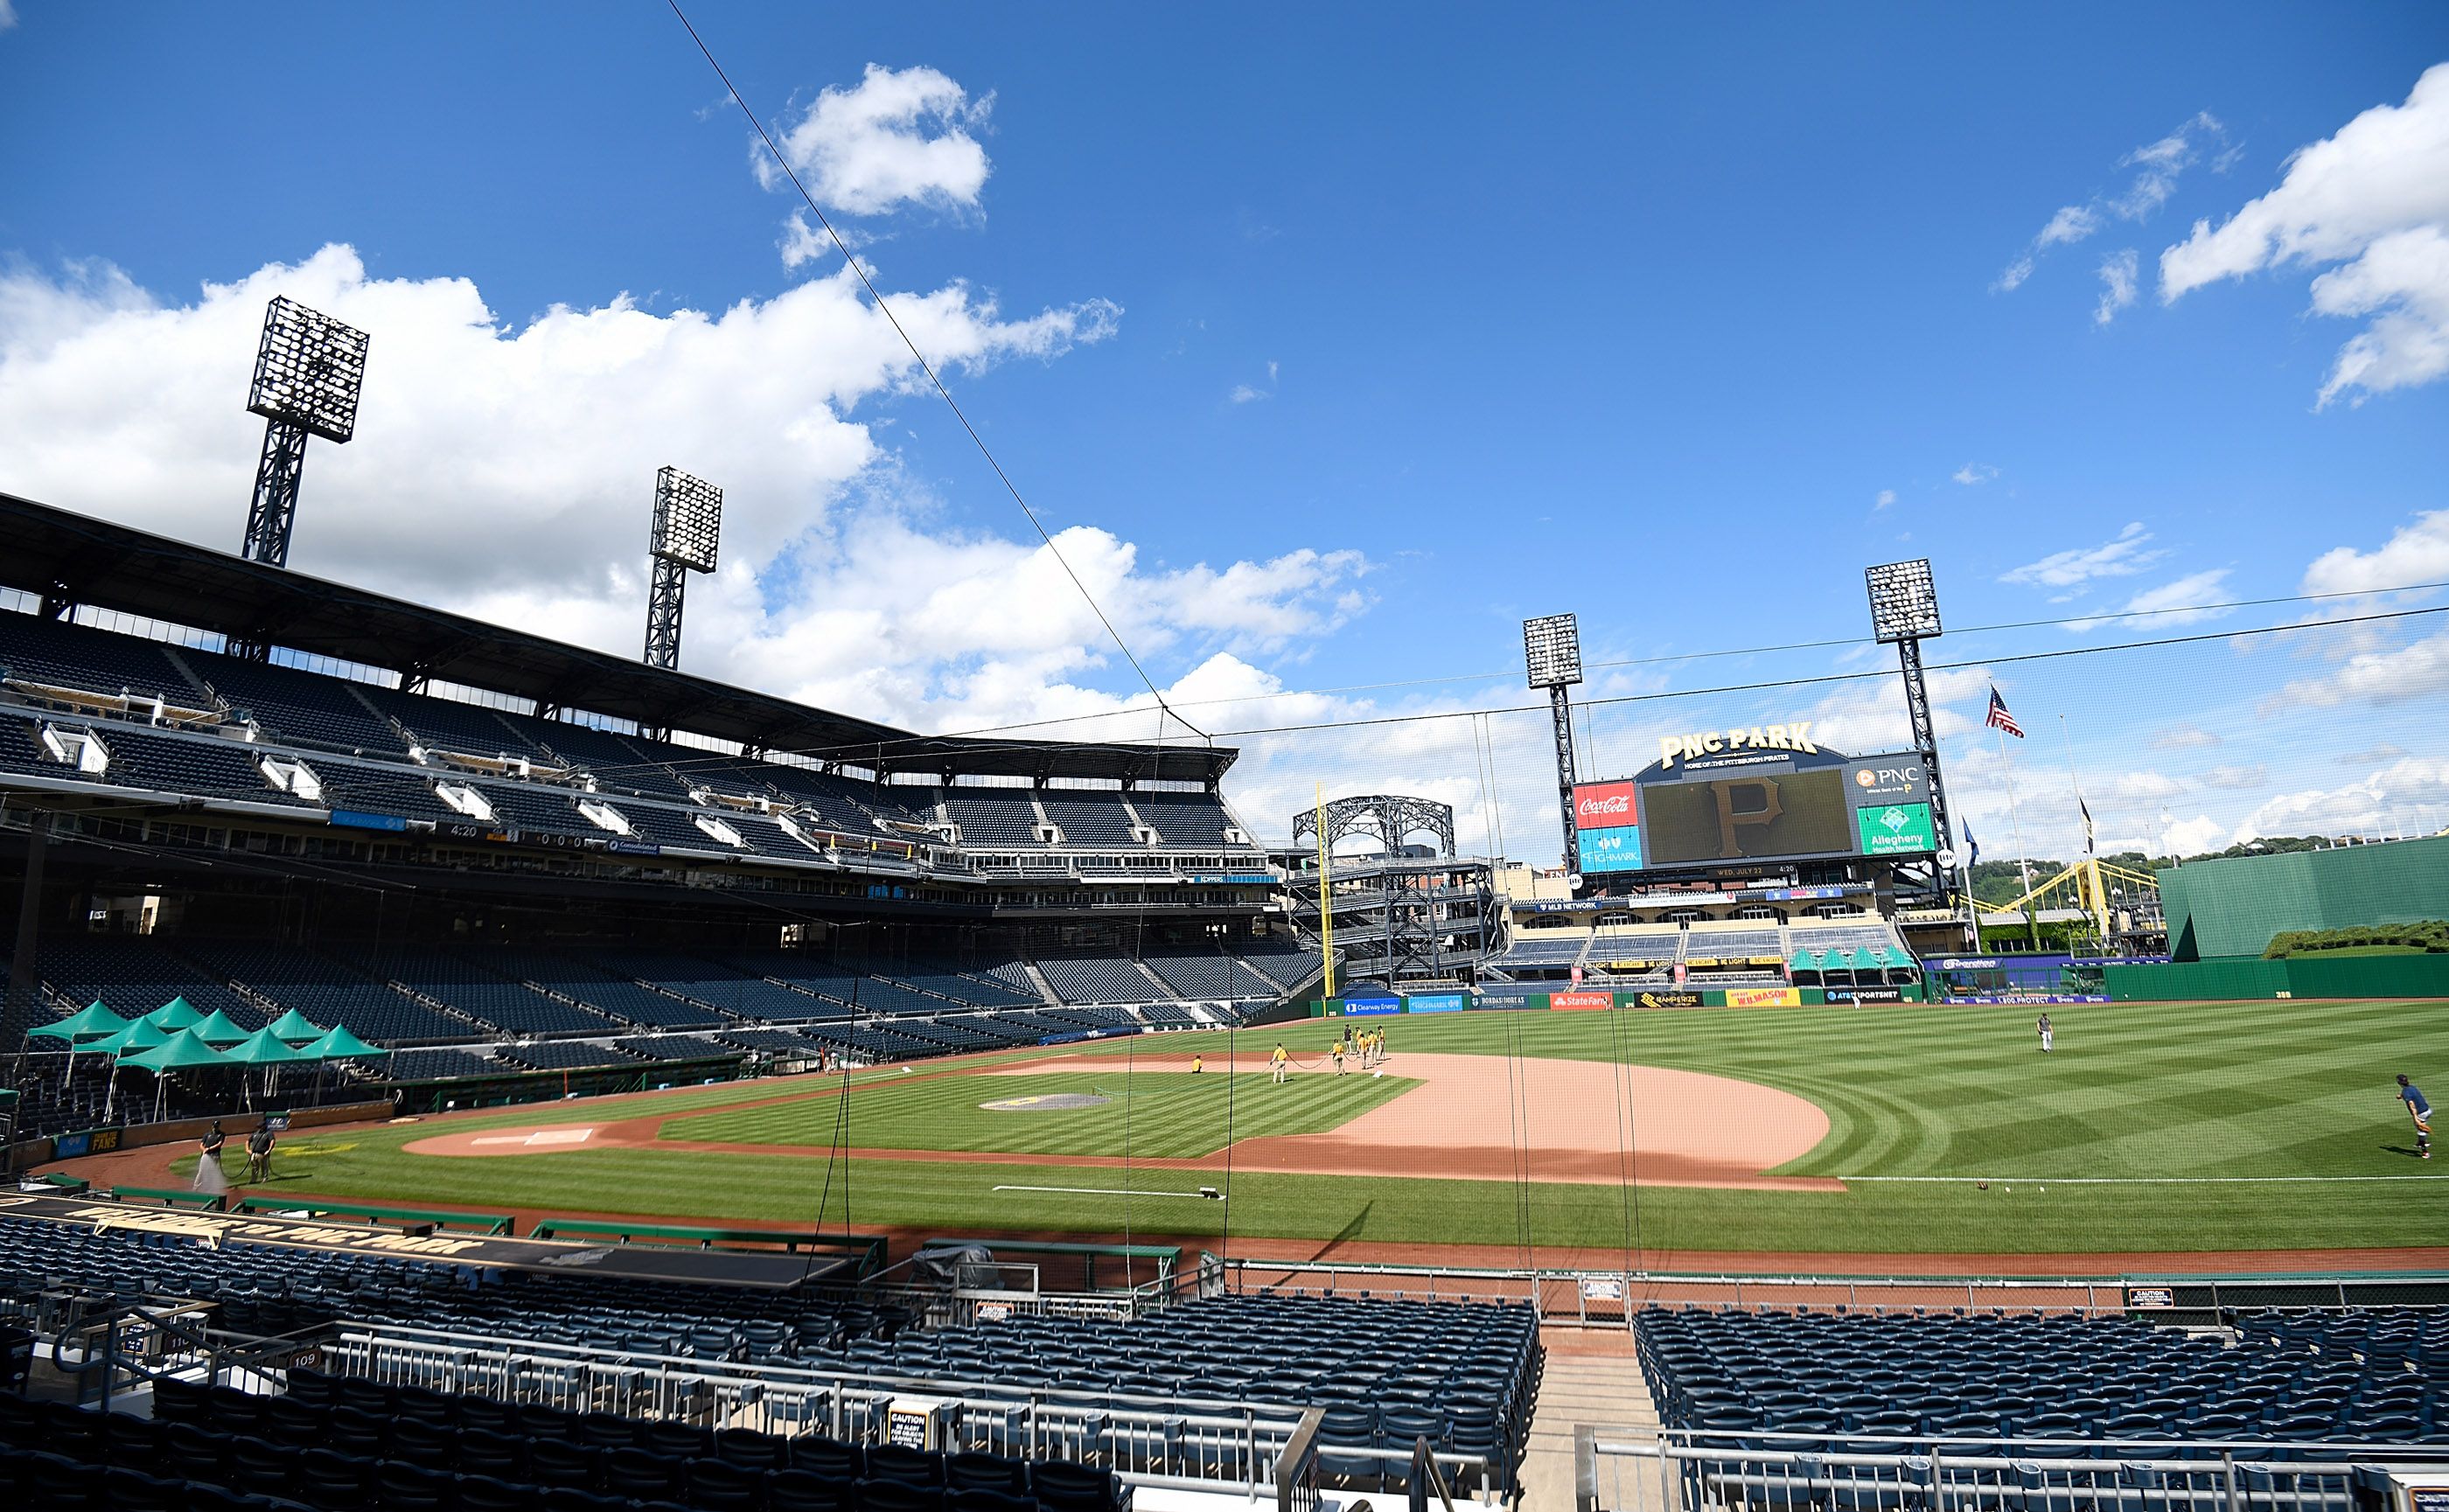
column 1666, row 999
column 1888, row 779
column 1865, row 994
column 1436, row 1003
column 1605, row 806
column 356, row 819
column 1355, row 1008
column 1613, row 850
column 1896, row 829
column 1495, row 999
column 1763, row 998
column 1580, row 1002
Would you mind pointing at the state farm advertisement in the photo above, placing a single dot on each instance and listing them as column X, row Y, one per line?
column 1581, row 1001
column 1605, row 806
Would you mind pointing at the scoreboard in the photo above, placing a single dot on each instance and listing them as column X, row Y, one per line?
column 1764, row 801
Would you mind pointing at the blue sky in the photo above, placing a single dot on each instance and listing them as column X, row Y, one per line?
column 1428, row 320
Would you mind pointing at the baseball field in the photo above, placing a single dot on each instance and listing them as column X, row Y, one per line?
column 1895, row 1131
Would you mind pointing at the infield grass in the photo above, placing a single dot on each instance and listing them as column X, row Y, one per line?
column 1164, row 1114
column 2079, row 1147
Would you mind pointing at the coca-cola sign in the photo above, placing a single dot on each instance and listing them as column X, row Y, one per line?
column 1605, row 806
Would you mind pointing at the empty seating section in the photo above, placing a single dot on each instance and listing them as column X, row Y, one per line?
column 769, row 1041
column 852, row 990
column 133, row 975
column 2288, row 1377
column 565, row 1055
column 1208, row 973
column 1185, row 819
column 450, row 725
column 301, row 708
column 545, row 810
column 59, row 654
column 451, row 978
column 945, row 980
column 676, row 1048
column 1734, row 943
column 1088, row 819
column 618, row 995
column 733, row 988
column 432, row 1065
column 616, row 762
column 372, row 790
column 1280, row 960
column 328, row 992
column 846, row 803
column 337, row 1444
column 194, row 764
column 1098, row 979
column 271, row 1291
column 1535, row 951
column 1463, row 1375
column 993, row 816
column 21, row 747
column 674, row 828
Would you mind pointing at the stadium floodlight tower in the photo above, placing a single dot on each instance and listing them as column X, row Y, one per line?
column 1904, row 610
column 1552, row 650
column 688, row 526
column 308, row 371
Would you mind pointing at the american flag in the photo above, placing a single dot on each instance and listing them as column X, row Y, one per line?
column 1999, row 717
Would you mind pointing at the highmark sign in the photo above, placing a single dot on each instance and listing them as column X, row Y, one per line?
column 1793, row 736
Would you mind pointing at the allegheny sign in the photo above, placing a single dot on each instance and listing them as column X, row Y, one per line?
column 1896, row 829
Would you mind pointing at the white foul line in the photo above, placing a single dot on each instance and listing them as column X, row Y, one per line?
column 2141, row 1181
column 1101, row 1191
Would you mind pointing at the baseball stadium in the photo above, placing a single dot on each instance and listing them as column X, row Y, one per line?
column 455, row 1068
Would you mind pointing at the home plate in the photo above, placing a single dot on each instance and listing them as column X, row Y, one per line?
column 542, row 1136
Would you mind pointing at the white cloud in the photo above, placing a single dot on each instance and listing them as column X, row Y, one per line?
column 2414, row 553
column 2192, row 836
column 2381, row 754
column 2189, row 600
column 1886, row 499
column 7, row 15
column 2375, row 197
column 896, row 138
column 1244, row 393
column 1973, row 475
column 2417, row 670
column 2157, row 167
column 2255, row 775
column 2393, row 799
column 505, row 471
column 2117, row 273
column 2182, row 737
column 2121, row 556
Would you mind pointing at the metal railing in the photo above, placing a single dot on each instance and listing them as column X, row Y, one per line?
column 108, row 1346
column 1183, row 1444
column 1599, row 1298
column 1691, row 1471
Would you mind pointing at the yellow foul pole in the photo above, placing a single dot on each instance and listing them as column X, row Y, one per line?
column 1325, row 914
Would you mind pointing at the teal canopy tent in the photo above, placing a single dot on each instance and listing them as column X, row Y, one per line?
column 183, row 1051
column 174, row 1015
column 219, row 1029
column 341, row 1044
column 264, row 1047
column 92, row 1021
column 294, row 1027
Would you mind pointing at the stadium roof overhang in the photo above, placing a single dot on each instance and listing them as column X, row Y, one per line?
column 74, row 559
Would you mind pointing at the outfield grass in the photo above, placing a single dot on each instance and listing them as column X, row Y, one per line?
column 1166, row 1115
column 2137, row 1094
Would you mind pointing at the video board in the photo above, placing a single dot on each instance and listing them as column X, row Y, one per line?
column 1769, row 798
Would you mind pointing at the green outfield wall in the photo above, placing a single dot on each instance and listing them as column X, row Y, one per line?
column 2377, row 976
column 2233, row 906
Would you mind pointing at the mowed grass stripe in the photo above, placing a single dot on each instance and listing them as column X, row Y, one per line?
column 1162, row 1115
column 2136, row 1090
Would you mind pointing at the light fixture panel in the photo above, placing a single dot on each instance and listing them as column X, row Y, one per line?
column 308, row 371
column 1551, row 651
column 1905, row 600
column 689, row 520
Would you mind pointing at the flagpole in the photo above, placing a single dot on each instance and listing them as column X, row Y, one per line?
column 2023, row 857
column 2096, row 895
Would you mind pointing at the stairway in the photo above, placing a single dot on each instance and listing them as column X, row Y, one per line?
column 1590, row 1380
